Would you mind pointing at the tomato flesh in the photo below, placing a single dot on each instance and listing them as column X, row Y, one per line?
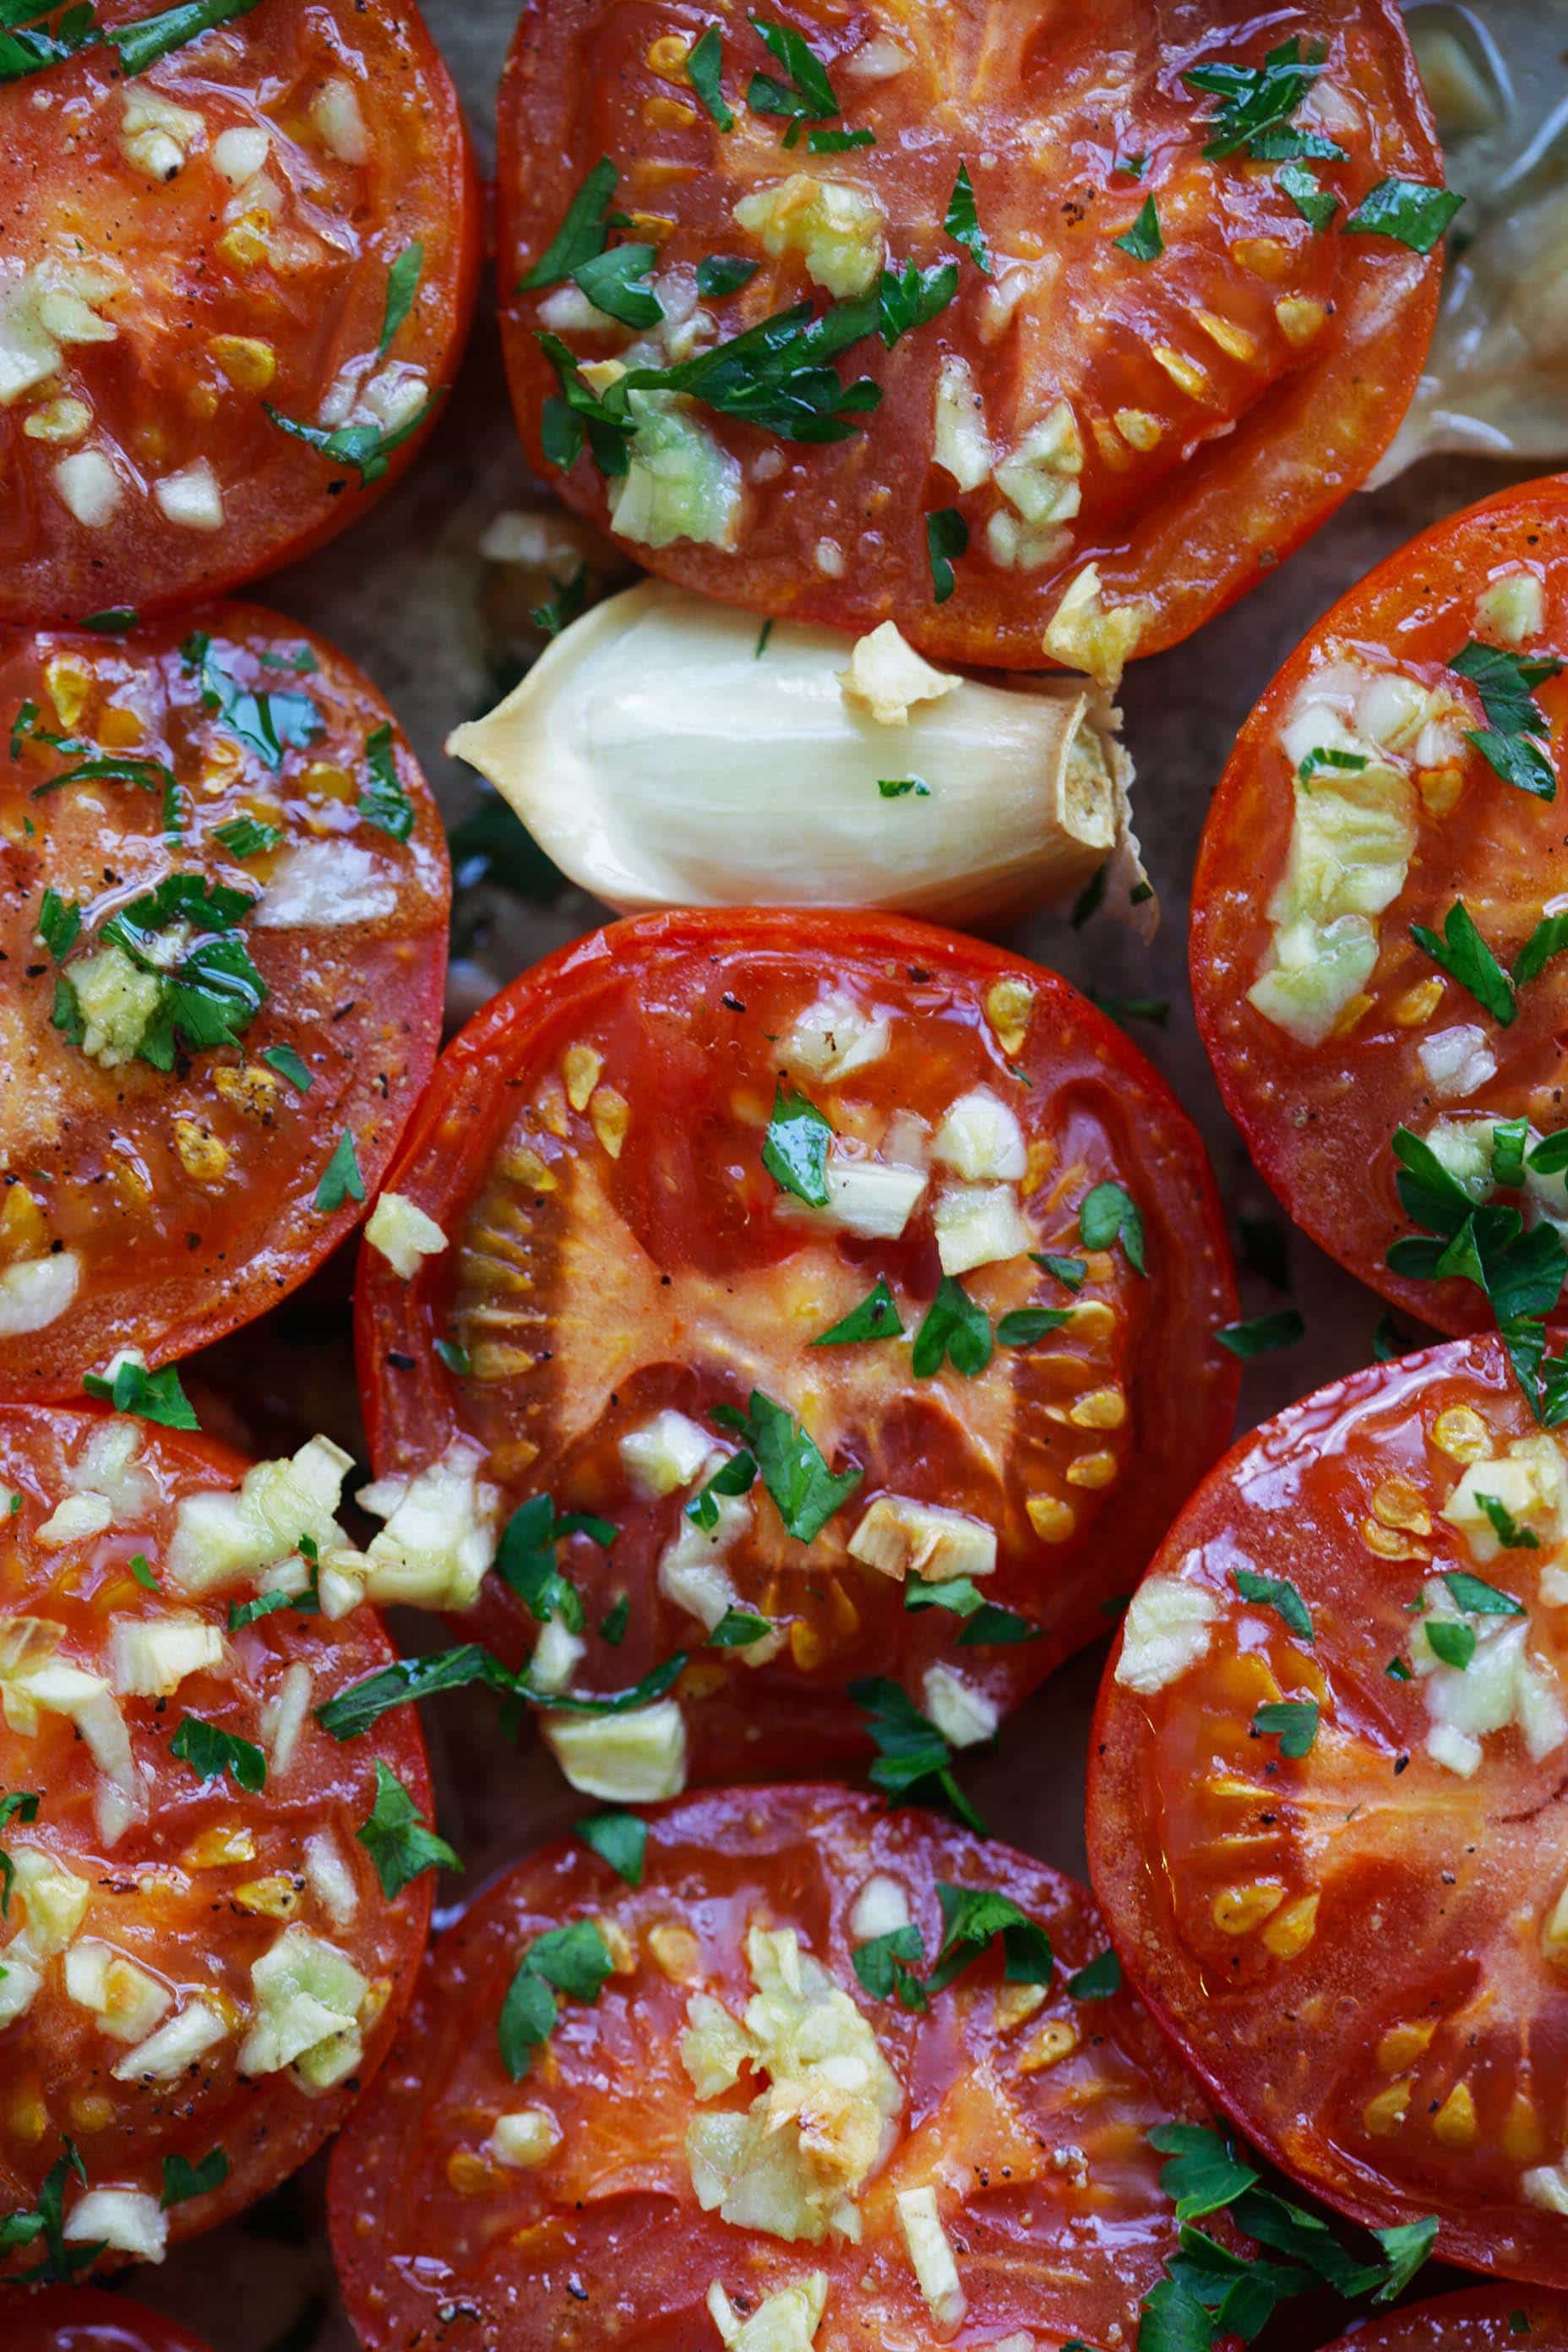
column 144, row 1893
column 153, row 1207
column 1318, row 1114
column 189, row 245
column 1207, row 406
column 1487, row 2319
column 1359, row 1946
column 1030, row 2114
column 619, row 1253
column 85, row 2319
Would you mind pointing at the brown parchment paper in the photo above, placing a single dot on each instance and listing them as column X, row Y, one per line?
column 404, row 593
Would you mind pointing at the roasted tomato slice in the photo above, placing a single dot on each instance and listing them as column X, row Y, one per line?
column 85, row 2319
column 1487, row 2319
column 734, row 2104
column 241, row 246
column 1377, row 920
column 961, row 1399
column 1326, row 1810
column 223, row 914
column 200, row 1965
column 1102, row 356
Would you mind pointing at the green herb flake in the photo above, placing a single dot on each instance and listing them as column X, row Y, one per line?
column 962, row 222
column 876, row 1318
column 1465, row 956
column 16, row 1805
column 899, row 788
column 1142, row 241
column 886, row 1967
column 720, row 274
column 795, row 1149
column 704, row 71
column 1294, row 1721
column 288, row 1067
column 156, row 1397
column 1478, row 1598
column 947, row 538
column 1316, row 203
column 210, row 1753
column 1276, row 1592
column 182, row 2181
column 914, row 1762
column 805, row 1492
column 971, row 1917
column 1108, row 1213
column 619, row 1839
column 1507, row 1530
column 455, row 1358
column 340, row 1178
column 583, row 233
column 401, row 285
column 806, row 97
column 1099, row 1979
column 383, row 802
column 1409, row 211
column 1263, row 1335
column 399, row 1842
column 954, row 1329
column 243, row 838
column 60, row 924
column 574, row 1960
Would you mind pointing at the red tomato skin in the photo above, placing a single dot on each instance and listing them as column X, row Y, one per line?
column 1482, row 2319
column 1247, row 498
column 63, row 587
column 1332, row 1172
column 1133, row 1882
column 85, row 2319
column 797, row 1842
column 276, row 2129
column 168, row 1316
column 778, row 1717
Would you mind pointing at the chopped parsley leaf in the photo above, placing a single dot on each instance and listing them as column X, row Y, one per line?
column 156, row 1396
column 947, row 538
column 1407, row 210
column 340, row 1178
column 1144, row 240
column 962, row 222
column 210, row 1753
column 400, row 1844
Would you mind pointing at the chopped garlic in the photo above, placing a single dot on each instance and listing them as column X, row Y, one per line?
column 557, row 1655
column 1166, row 1631
column 177, row 2046
column 865, row 1197
column 126, row 2000
column 681, row 484
column 109, row 1465
column 527, row 2137
column 981, row 1138
column 899, row 1538
column 156, row 136
column 961, row 1713
column 1501, row 1686
column 880, row 1908
column 979, row 1224
column 770, row 2168
column 77, row 1520
column 1546, row 2186
column 151, row 1656
column 241, row 151
column 1459, row 1061
column 91, row 489
column 283, row 1718
column 37, row 1293
column 308, row 1999
column 833, row 1037
column 837, row 230
column 785, row 2321
column 634, row 1759
column 1512, row 607
column 116, row 1000
column 332, row 1878
column 191, row 497
column 129, row 2220
column 335, row 112
column 665, row 1454
column 1531, row 1482
column 222, row 1540
column 1086, row 634
column 404, row 1234
column 332, row 884
column 1040, row 476
column 442, row 1527
column 930, row 2253
column 886, row 677
column 960, row 444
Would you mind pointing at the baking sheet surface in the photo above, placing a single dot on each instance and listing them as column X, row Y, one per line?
column 406, row 594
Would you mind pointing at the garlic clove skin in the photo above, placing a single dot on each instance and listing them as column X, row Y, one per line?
column 662, row 760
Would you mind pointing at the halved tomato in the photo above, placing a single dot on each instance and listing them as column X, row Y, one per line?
column 1326, row 1802
column 1377, row 916
column 207, row 1930
column 750, row 2096
column 241, row 248
column 223, row 920
column 1487, row 2319
column 85, row 2319
column 847, row 1288
column 1057, row 327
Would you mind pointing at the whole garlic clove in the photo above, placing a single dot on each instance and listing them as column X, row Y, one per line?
column 665, row 752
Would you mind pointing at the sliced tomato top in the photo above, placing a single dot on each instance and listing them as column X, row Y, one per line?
column 223, row 903
column 611, row 2178
column 85, row 2319
column 241, row 245
column 1487, row 2319
column 201, row 1967
column 1377, row 918
column 1326, row 1802
column 927, row 1430
column 1094, row 339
